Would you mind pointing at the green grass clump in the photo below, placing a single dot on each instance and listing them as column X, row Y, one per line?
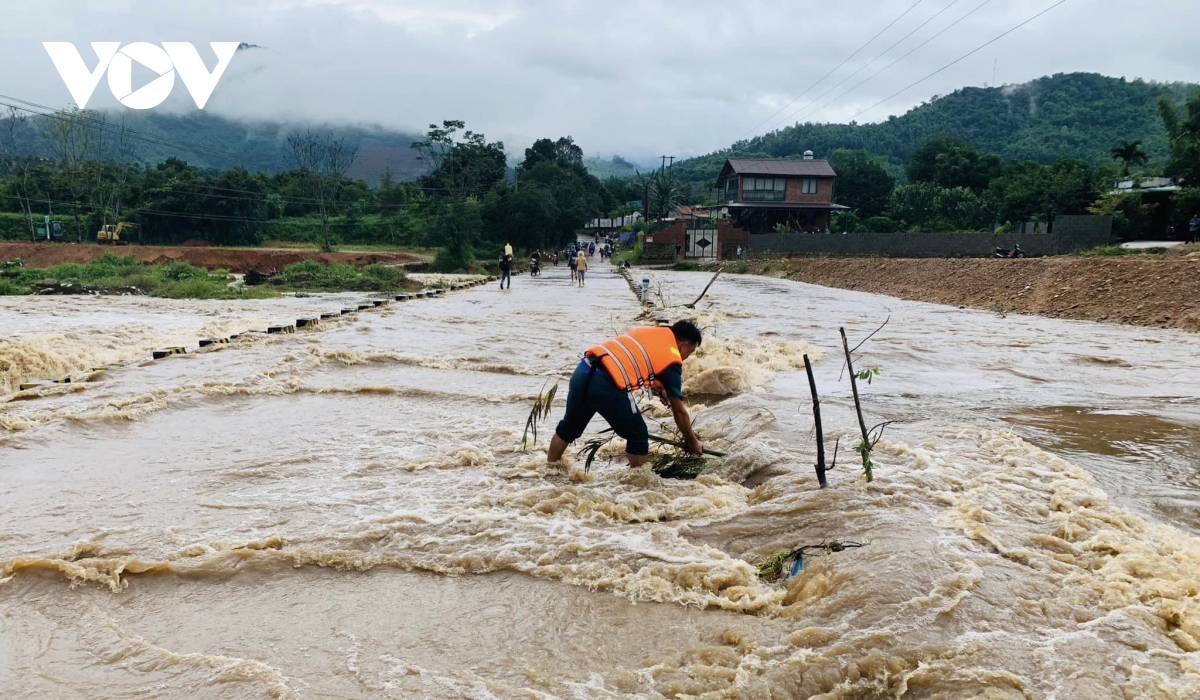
column 176, row 280
column 686, row 266
column 10, row 287
column 312, row 276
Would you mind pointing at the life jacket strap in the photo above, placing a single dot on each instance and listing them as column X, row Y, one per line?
column 646, row 355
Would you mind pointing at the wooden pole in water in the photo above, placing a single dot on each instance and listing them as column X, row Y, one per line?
column 710, row 283
column 862, row 424
column 812, row 385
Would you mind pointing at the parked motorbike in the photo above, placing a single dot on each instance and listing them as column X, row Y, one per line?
column 1006, row 253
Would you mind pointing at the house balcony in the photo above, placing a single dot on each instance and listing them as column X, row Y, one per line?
column 763, row 196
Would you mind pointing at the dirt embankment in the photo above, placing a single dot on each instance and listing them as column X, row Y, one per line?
column 232, row 259
column 1142, row 290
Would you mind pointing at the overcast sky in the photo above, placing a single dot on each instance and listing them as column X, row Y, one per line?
column 626, row 77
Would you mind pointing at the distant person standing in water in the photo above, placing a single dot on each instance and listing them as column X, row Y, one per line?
column 506, row 263
column 572, row 260
column 580, row 266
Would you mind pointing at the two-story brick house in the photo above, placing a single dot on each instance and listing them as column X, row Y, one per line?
column 761, row 193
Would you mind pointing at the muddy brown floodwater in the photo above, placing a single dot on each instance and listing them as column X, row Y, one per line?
column 346, row 513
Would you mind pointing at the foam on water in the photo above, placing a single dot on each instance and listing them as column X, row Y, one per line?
column 245, row 522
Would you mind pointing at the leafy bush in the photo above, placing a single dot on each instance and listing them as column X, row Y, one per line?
column 11, row 288
column 311, row 275
column 384, row 274
column 881, row 224
column 449, row 260
column 179, row 271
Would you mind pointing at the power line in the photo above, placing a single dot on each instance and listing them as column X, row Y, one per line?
column 911, row 52
column 835, row 69
column 794, row 115
column 83, row 115
column 959, row 59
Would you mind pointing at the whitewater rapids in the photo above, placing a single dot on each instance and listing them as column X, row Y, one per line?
column 346, row 512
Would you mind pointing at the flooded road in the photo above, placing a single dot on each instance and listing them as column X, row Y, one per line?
column 346, row 512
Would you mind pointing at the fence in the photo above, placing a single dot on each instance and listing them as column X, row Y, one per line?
column 1070, row 234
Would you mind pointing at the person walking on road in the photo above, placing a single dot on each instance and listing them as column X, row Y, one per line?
column 506, row 263
column 648, row 358
column 1194, row 228
column 581, row 265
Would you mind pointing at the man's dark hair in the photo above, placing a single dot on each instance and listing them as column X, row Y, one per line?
column 687, row 331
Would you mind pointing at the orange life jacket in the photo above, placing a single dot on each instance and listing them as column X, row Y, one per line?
column 635, row 359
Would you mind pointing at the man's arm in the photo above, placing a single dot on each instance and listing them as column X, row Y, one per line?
column 683, row 421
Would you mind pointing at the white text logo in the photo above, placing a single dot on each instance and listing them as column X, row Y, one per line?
column 171, row 57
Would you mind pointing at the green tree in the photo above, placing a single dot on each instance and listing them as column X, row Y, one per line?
column 564, row 152
column 927, row 207
column 455, row 227
column 952, row 162
column 323, row 159
column 527, row 217
column 862, row 183
column 75, row 138
column 464, row 166
column 1131, row 216
column 1183, row 132
column 1130, row 154
column 17, row 165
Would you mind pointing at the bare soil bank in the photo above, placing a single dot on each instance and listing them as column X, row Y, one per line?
column 1144, row 290
column 232, row 259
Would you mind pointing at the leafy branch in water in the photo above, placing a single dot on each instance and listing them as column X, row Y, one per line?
column 864, row 450
column 868, row 374
column 592, row 447
column 538, row 414
column 791, row 561
column 674, row 464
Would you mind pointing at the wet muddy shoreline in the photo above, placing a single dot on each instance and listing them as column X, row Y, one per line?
column 1155, row 291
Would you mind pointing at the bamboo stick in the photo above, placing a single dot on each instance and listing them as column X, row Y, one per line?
column 812, row 385
column 862, row 424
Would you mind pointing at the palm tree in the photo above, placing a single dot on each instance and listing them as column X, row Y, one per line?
column 1131, row 154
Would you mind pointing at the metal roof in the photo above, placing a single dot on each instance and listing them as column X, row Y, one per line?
column 777, row 166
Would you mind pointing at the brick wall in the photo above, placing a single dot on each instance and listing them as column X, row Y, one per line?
column 795, row 191
column 1071, row 234
column 664, row 241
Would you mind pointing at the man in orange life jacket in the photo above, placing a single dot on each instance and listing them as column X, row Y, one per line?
column 610, row 373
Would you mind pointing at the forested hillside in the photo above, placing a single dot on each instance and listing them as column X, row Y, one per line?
column 215, row 143
column 1077, row 115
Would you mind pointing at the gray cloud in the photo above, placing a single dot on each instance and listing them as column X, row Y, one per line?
column 635, row 78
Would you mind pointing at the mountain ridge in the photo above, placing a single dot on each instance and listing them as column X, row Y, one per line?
column 1066, row 115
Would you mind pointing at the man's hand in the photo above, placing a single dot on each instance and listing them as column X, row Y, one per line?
column 662, row 396
column 683, row 421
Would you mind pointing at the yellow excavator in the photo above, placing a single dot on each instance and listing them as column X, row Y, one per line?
column 111, row 234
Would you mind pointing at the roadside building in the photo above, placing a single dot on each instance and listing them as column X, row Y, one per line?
column 762, row 193
column 605, row 226
column 1159, row 195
